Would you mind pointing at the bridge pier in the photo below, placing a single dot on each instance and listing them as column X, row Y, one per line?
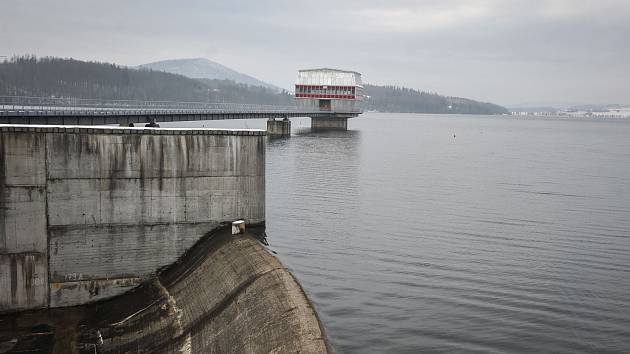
column 278, row 128
column 329, row 123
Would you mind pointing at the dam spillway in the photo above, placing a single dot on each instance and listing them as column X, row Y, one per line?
column 228, row 294
column 90, row 213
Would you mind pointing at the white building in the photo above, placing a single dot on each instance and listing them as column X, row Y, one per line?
column 337, row 91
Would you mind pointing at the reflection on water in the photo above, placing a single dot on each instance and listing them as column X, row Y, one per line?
column 457, row 233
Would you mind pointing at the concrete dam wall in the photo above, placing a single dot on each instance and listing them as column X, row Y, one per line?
column 227, row 294
column 88, row 213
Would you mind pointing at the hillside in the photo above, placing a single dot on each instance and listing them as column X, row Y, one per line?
column 229, row 91
column 201, row 68
column 30, row 76
column 406, row 100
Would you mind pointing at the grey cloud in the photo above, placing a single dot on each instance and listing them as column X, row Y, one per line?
column 506, row 51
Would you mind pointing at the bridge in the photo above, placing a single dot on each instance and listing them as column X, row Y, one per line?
column 75, row 111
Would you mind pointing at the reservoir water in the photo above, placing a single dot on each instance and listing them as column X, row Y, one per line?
column 446, row 234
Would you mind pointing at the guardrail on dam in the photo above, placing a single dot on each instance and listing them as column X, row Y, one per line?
column 87, row 213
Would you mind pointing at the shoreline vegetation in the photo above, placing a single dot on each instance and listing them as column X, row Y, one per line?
column 61, row 77
column 397, row 99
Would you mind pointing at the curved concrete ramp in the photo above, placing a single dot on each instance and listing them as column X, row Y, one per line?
column 228, row 294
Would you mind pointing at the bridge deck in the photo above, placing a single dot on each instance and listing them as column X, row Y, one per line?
column 41, row 110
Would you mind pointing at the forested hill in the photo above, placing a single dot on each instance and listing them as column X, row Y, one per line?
column 30, row 76
column 202, row 68
column 406, row 100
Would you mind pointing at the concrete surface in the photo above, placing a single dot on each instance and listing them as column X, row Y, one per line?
column 278, row 128
column 344, row 107
column 90, row 212
column 332, row 123
column 227, row 294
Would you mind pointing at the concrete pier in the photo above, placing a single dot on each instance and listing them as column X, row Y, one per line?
column 87, row 213
column 329, row 123
column 279, row 128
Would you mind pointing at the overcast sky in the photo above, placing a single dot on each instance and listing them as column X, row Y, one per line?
column 505, row 51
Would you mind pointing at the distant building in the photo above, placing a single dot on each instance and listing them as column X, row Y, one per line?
column 329, row 90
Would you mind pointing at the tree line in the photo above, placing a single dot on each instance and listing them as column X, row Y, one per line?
column 59, row 77
column 405, row 100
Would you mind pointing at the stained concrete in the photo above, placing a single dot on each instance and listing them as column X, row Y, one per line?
column 227, row 294
column 348, row 108
column 23, row 242
column 329, row 123
column 278, row 128
column 89, row 212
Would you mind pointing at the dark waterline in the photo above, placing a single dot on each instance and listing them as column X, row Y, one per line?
column 458, row 233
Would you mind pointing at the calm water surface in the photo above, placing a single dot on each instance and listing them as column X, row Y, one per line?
column 427, row 233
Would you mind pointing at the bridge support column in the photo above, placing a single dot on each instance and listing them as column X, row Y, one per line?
column 124, row 122
column 329, row 123
column 278, row 128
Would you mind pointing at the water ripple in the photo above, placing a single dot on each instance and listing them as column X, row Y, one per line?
column 512, row 241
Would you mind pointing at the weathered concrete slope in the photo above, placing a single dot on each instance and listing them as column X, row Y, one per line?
column 228, row 294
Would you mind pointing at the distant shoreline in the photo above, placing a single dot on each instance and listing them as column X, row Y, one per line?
column 541, row 117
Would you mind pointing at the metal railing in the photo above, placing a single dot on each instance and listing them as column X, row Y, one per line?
column 38, row 108
column 27, row 103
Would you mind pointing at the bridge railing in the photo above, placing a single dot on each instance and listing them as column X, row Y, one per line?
column 15, row 103
column 30, row 105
